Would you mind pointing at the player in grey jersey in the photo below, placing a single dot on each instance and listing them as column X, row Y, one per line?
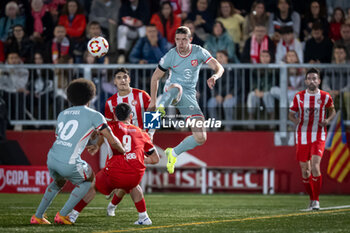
column 74, row 128
column 184, row 62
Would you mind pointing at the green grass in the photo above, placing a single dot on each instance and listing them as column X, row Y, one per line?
column 177, row 212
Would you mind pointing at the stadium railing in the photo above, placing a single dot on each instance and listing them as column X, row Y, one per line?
column 46, row 90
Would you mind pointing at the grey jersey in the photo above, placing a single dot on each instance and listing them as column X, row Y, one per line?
column 74, row 128
column 184, row 70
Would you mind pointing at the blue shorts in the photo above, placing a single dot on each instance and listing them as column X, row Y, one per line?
column 75, row 173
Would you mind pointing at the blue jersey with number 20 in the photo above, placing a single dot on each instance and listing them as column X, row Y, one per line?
column 74, row 128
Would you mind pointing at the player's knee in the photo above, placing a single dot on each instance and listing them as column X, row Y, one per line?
column 306, row 174
column 315, row 170
column 60, row 183
column 201, row 138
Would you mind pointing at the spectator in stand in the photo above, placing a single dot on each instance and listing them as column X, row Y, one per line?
column 338, row 18
column 288, row 42
column 133, row 16
column 316, row 13
column 283, row 16
column 181, row 8
column 13, row 84
column 2, row 53
column 345, row 37
column 11, row 18
column 94, row 29
column 106, row 13
column 195, row 39
column 74, row 20
column 20, row 44
column 203, row 19
column 332, row 4
column 166, row 21
column 318, row 49
column 257, row 15
column 40, row 23
column 59, row 46
column 62, row 79
column 335, row 81
column 232, row 21
column 41, row 87
column 23, row 7
column 260, row 88
column 221, row 40
column 258, row 42
column 149, row 49
column 229, row 101
column 55, row 8
column 295, row 78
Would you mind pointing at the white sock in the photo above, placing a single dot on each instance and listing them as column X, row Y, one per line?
column 111, row 205
column 143, row 215
column 73, row 215
column 174, row 153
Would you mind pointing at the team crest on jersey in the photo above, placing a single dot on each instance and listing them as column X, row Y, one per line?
column 134, row 102
column 319, row 101
column 194, row 62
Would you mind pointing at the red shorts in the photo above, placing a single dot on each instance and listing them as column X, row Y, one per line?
column 108, row 180
column 305, row 151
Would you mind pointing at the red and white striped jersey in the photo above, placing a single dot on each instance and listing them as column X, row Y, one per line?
column 312, row 110
column 137, row 99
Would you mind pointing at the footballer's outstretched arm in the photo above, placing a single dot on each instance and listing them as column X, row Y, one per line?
column 158, row 74
column 112, row 140
column 219, row 70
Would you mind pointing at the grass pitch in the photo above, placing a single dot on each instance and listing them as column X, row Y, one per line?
column 186, row 213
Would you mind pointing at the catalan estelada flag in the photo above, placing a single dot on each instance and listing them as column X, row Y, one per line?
column 339, row 160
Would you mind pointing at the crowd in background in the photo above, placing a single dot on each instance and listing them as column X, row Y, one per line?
column 142, row 31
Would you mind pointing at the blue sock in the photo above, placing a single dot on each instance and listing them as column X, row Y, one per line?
column 168, row 96
column 77, row 194
column 187, row 144
column 50, row 194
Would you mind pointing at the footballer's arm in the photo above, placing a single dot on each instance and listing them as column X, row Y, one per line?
column 158, row 74
column 152, row 158
column 219, row 70
column 332, row 113
column 292, row 116
column 112, row 140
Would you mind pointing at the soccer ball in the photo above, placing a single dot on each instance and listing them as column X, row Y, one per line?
column 98, row 46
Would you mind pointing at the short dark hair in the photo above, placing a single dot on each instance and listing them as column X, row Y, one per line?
column 339, row 46
column 183, row 30
column 94, row 23
column 286, row 30
column 122, row 111
column 80, row 91
column 121, row 69
column 313, row 71
column 151, row 25
column 317, row 26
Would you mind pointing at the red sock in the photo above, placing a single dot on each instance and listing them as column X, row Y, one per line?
column 316, row 183
column 80, row 206
column 141, row 206
column 308, row 187
column 116, row 200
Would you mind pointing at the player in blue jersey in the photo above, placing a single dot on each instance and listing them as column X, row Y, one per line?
column 183, row 62
column 74, row 128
